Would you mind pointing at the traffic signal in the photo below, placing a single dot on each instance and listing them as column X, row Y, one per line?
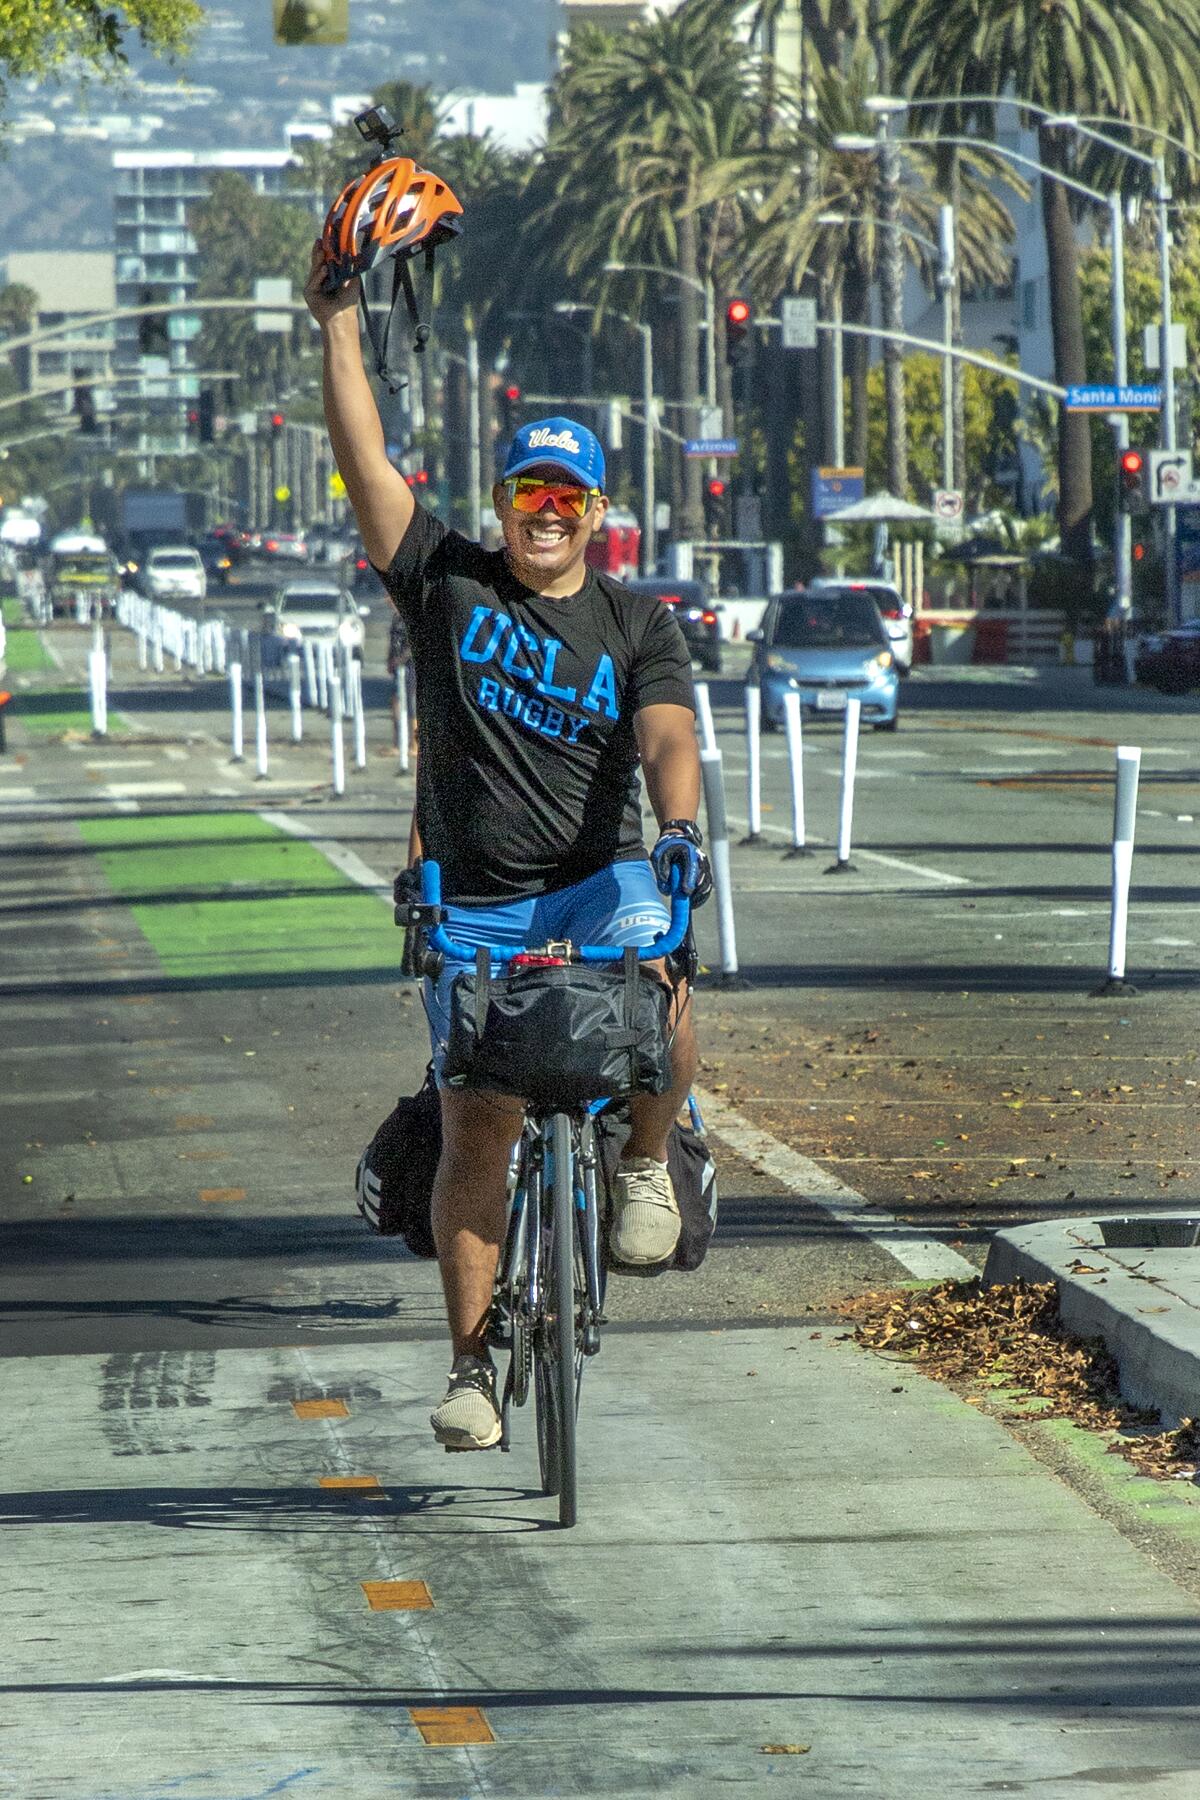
column 84, row 408
column 193, row 417
column 153, row 337
column 418, row 479
column 714, row 504
column 738, row 319
column 1132, row 475
column 277, row 422
column 207, row 409
column 311, row 21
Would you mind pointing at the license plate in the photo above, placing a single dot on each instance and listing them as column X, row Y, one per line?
column 831, row 702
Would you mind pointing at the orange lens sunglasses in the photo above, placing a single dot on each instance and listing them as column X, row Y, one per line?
column 529, row 494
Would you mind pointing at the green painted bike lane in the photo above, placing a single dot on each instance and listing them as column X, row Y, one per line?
column 228, row 895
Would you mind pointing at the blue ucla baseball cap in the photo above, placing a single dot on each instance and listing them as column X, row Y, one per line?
column 563, row 442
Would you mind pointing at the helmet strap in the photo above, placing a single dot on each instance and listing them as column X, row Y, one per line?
column 402, row 284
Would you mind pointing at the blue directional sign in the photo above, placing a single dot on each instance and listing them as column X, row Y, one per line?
column 1113, row 399
column 710, row 447
column 834, row 488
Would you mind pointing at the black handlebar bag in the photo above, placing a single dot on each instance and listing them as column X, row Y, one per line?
column 559, row 1036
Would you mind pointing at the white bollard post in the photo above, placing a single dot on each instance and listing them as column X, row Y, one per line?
column 753, row 695
column 98, row 683
column 260, row 722
column 1129, row 762
column 235, row 702
column 143, row 658
column 295, row 697
column 402, row 716
column 360, row 720
column 177, row 641
column 718, row 853
column 158, row 640
column 704, row 717
column 792, row 719
column 310, row 672
column 219, row 645
column 322, row 656
column 849, row 766
column 335, row 728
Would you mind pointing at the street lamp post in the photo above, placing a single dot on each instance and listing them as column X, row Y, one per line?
column 649, row 529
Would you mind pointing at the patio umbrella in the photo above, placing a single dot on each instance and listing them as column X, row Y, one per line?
column 878, row 509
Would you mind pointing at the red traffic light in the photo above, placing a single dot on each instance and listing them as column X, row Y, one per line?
column 422, row 477
column 716, row 487
column 1139, row 552
column 276, row 421
column 1132, row 462
column 512, row 392
column 738, row 312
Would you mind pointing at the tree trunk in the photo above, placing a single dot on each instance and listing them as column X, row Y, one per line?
column 958, row 369
column 691, row 523
column 1070, row 366
column 891, row 287
column 855, row 308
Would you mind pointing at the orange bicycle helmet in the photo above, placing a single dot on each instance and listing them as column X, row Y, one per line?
column 395, row 209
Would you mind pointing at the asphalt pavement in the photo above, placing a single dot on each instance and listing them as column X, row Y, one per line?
column 798, row 1566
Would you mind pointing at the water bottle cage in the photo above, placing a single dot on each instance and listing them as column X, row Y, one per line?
column 417, row 912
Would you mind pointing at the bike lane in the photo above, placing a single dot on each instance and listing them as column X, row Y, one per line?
column 795, row 1564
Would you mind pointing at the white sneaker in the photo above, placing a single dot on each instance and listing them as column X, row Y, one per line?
column 645, row 1222
column 468, row 1418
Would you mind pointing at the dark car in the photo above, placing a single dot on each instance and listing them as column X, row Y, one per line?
column 1170, row 660
column 218, row 556
column 696, row 613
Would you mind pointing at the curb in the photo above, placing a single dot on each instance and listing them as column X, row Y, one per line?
column 1144, row 1304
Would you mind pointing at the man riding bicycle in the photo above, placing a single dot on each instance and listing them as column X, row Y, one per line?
column 541, row 685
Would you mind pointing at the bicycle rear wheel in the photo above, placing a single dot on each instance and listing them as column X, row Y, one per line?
column 555, row 1379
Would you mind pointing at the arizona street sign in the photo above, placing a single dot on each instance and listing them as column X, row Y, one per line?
column 710, row 446
column 1113, row 399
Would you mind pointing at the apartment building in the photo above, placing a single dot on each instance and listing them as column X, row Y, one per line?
column 71, row 287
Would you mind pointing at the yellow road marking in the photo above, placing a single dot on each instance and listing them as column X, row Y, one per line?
column 320, row 1409
column 192, row 1122
column 452, row 1724
column 214, row 1194
column 397, row 1596
column 370, row 1482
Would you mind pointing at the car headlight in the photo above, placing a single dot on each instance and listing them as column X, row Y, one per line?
column 290, row 631
column 877, row 664
column 350, row 631
column 779, row 664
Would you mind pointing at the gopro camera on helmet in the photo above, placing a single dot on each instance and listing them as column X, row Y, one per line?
column 376, row 125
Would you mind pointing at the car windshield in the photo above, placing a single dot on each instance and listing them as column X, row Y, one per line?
column 173, row 559
column 827, row 621
column 85, row 565
column 310, row 603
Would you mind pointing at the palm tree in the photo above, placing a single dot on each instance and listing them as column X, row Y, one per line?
column 787, row 239
column 1137, row 59
column 637, row 118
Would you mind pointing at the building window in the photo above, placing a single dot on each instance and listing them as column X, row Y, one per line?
column 1029, row 307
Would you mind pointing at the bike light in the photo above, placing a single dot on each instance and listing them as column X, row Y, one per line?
column 530, row 960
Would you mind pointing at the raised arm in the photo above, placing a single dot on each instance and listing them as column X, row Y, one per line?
column 378, row 492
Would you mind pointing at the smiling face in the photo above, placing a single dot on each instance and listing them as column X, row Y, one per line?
column 544, row 549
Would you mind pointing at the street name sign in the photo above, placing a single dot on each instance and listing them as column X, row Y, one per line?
column 1113, row 399
column 715, row 446
column 798, row 315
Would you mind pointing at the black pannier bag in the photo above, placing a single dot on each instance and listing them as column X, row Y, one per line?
column 559, row 1036
column 394, row 1179
column 693, row 1178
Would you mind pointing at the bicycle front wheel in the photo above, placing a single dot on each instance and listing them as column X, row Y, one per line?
column 554, row 1372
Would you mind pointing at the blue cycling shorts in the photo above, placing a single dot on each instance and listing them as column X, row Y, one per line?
column 619, row 905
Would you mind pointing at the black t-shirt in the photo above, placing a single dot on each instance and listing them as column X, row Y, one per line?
column 527, row 778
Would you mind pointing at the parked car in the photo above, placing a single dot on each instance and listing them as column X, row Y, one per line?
column 697, row 615
column 894, row 610
column 283, row 546
column 315, row 609
column 1169, row 660
column 360, row 575
column 173, row 572
column 825, row 644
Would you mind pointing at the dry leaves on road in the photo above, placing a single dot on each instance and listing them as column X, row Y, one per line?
column 963, row 1333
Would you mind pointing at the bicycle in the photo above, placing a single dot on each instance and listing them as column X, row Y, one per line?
column 548, row 1303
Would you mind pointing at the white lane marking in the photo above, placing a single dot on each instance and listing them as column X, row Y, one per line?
column 1185, row 818
column 925, row 1258
column 1024, row 750
column 127, row 806
column 175, row 753
column 121, row 762
column 68, row 1097
column 19, row 793
column 876, row 856
column 347, row 861
column 144, row 790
